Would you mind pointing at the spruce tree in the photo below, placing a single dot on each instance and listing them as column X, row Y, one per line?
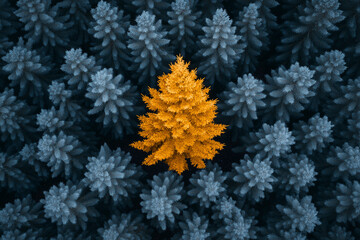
column 181, row 125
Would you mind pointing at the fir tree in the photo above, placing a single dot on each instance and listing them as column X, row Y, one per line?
column 240, row 103
column 345, row 201
column 27, row 70
column 252, row 177
column 270, row 141
column 264, row 8
column 307, row 33
column 348, row 100
column 79, row 18
column 69, row 203
column 297, row 172
column 15, row 118
column 184, row 23
column 314, row 135
column 112, row 173
column 298, row 214
column 20, row 214
column 207, row 185
column 62, row 98
column 220, row 48
column 164, row 200
column 12, row 176
column 237, row 227
column 182, row 127
column 110, row 28
column 79, row 67
column 148, row 43
column 253, row 36
column 115, row 100
column 125, row 226
column 42, row 22
column 289, row 90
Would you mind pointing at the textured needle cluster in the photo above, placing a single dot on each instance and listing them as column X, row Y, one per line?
column 21, row 213
column 224, row 207
column 69, row 203
column 62, row 153
column 271, row 140
column 26, row 70
column 345, row 160
column 79, row 67
column 349, row 98
column 62, row 98
column 237, row 227
column 28, row 154
column 125, row 226
column 52, row 120
column 298, row 214
column 339, row 233
column 115, row 101
column 242, row 100
column 184, row 25
column 15, row 117
column 112, row 173
column 298, row 173
column 330, row 66
column 181, row 124
column 207, row 185
column 313, row 135
column 289, row 90
column 149, row 47
column 42, row 23
column 163, row 200
column 353, row 128
column 110, row 28
column 153, row 6
column 220, row 47
column 345, row 201
column 19, row 235
column 253, row 36
column 252, row 177
column 307, row 31
column 194, row 226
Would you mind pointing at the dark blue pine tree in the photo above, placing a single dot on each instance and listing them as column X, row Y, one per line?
column 149, row 48
column 306, row 33
column 253, row 34
column 115, row 101
column 69, row 204
column 241, row 102
column 79, row 67
column 42, row 24
column 288, row 91
column 184, row 26
column 109, row 28
column 79, row 18
column 27, row 70
column 16, row 120
column 220, row 48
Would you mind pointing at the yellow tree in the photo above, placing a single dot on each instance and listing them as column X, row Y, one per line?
column 181, row 125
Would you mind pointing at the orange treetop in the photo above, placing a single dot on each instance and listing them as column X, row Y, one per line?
column 181, row 125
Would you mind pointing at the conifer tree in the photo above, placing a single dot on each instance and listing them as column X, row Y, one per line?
column 253, row 36
column 219, row 48
column 181, row 125
column 307, row 33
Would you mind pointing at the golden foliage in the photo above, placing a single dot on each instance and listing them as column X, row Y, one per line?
column 181, row 125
